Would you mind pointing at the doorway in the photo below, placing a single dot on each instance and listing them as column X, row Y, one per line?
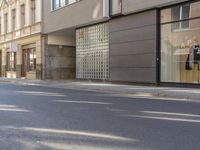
column 28, row 61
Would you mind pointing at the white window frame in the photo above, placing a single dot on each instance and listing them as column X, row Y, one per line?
column 67, row 2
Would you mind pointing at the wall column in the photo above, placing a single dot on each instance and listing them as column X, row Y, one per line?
column 9, row 19
column 4, row 55
column 19, row 62
column 38, row 9
column 38, row 60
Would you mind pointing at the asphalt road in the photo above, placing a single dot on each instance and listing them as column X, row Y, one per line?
column 44, row 118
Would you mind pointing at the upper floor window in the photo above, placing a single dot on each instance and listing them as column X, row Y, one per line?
column 13, row 19
column 60, row 3
column 33, row 12
column 22, row 15
column 115, row 7
column 6, row 23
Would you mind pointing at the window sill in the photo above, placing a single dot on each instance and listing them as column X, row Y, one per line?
column 181, row 30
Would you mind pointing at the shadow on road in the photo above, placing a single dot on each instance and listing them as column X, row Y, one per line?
column 48, row 118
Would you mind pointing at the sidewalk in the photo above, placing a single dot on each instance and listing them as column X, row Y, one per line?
column 134, row 90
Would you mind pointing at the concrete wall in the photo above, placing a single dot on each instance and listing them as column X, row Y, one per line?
column 129, row 6
column 61, row 40
column 77, row 14
column 60, row 62
column 133, row 48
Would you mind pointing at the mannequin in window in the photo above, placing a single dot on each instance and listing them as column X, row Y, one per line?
column 193, row 56
column 196, row 51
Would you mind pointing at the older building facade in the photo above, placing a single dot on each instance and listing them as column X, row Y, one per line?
column 135, row 41
column 20, row 39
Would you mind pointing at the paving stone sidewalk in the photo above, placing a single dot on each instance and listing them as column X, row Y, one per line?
column 134, row 90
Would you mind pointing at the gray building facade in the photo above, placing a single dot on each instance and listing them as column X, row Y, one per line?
column 134, row 41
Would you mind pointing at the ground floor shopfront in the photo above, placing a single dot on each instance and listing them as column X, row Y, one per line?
column 154, row 46
column 180, row 43
column 21, row 58
column 160, row 45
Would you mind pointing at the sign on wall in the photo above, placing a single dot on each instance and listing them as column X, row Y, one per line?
column 13, row 47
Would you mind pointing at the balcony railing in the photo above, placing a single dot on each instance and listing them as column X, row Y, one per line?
column 26, row 31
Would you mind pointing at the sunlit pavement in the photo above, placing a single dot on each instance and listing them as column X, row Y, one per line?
column 148, row 91
column 50, row 118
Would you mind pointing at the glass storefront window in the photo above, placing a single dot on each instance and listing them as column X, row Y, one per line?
column 180, row 44
column 92, row 52
column 31, row 59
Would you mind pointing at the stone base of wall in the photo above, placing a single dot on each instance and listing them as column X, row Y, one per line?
column 3, row 71
column 39, row 71
column 60, row 62
column 11, row 74
column 18, row 71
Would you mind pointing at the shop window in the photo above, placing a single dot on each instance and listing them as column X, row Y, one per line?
column 180, row 51
column 11, row 61
column 31, row 59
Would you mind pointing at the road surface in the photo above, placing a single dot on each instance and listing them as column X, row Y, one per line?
column 46, row 118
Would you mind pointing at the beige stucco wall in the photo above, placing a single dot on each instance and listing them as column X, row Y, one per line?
column 77, row 14
column 35, row 39
column 130, row 6
column 17, row 6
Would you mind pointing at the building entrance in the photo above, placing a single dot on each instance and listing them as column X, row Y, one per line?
column 28, row 61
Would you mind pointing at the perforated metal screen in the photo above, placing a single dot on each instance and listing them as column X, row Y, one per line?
column 92, row 52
